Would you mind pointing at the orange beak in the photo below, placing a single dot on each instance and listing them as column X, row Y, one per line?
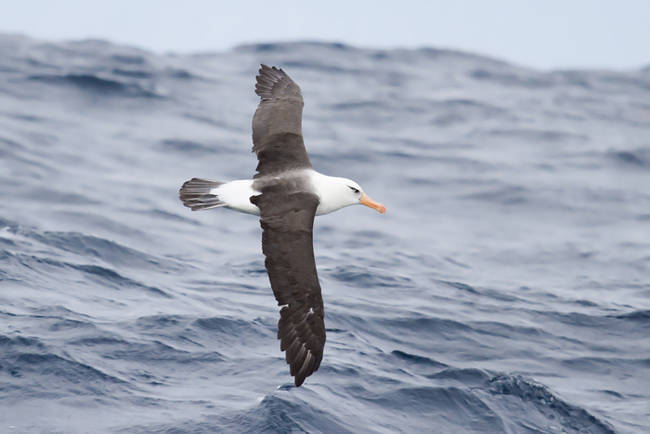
column 365, row 200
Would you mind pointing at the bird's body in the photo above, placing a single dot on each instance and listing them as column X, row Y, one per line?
column 236, row 194
column 287, row 193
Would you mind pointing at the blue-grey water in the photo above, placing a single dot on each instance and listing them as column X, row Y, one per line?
column 506, row 290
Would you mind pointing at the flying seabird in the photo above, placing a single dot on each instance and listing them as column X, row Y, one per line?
column 287, row 194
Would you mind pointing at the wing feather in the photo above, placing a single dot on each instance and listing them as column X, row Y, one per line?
column 287, row 242
column 277, row 123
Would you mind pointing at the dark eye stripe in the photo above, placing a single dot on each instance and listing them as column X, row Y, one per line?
column 353, row 189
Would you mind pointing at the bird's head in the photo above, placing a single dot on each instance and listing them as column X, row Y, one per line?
column 336, row 193
column 356, row 195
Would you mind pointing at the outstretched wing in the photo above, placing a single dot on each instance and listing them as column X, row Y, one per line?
column 287, row 220
column 277, row 123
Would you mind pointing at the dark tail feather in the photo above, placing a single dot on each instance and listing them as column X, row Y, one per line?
column 195, row 194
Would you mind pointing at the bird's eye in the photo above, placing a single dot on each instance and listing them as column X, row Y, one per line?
column 356, row 190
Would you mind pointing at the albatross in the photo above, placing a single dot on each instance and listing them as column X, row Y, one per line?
column 287, row 193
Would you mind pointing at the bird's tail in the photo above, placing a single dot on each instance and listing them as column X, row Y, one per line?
column 200, row 194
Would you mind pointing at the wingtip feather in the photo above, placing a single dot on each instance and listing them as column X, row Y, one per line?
column 269, row 78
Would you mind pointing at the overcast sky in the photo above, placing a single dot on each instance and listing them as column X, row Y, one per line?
column 542, row 33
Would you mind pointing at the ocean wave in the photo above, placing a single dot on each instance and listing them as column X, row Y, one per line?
column 557, row 414
column 96, row 84
column 637, row 158
column 637, row 315
column 45, row 374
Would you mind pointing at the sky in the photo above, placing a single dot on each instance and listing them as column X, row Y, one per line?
column 547, row 34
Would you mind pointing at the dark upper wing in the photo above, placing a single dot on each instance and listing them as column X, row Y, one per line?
column 287, row 220
column 277, row 123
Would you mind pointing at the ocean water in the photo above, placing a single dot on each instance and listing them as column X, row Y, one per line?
column 506, row 290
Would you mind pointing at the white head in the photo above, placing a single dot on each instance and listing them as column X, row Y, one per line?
column 336, row 193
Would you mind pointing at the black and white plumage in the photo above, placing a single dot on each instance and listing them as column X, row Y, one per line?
column 287, row 194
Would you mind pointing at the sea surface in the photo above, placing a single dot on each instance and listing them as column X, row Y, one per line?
column 506, row 289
